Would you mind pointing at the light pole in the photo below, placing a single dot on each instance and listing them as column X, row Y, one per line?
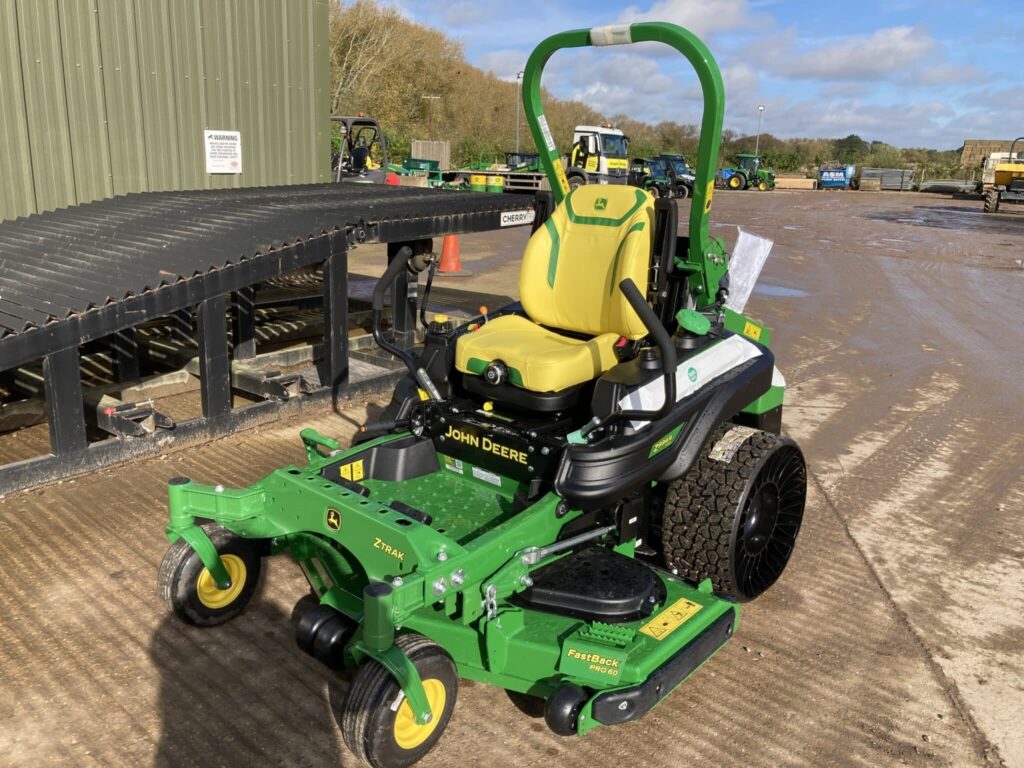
column 519, row 98
column 757, row 144
column 430, row 116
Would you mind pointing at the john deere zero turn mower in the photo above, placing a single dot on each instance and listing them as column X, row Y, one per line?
column 567, row 498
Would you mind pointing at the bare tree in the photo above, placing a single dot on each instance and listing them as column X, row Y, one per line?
column 360, row 33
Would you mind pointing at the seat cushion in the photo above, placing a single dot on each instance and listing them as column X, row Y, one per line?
column 537, row 359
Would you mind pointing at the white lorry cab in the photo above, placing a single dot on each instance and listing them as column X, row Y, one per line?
column 599, row 155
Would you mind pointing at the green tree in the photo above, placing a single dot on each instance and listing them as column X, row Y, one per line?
column 851, row 149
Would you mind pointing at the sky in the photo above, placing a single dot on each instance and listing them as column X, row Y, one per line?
column 912, row 73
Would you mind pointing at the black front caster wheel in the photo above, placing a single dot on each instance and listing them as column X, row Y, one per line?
column 189, row 589
column 562, row 711
column 377, row 722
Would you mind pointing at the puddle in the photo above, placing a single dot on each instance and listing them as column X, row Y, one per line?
column 955, row 218
column 792, row 228
column 779, row 291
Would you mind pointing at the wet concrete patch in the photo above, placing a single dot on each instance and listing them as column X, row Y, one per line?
column 780, row 291
column 956, row 218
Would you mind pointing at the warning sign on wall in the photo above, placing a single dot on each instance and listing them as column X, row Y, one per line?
column 223, row 151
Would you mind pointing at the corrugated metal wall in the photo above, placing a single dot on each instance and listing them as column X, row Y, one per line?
column 104, row 97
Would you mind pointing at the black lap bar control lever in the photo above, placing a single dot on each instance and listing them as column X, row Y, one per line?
column 660, row 336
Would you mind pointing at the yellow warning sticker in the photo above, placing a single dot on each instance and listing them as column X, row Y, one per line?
column 671, row 619
column 353, row 471
column 563, row 182
column 752, row 331
column 707, row 197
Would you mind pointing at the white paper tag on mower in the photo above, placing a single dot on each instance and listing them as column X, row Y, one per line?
column 745, row 263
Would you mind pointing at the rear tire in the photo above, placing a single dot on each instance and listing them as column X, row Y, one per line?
column 992, row 201
column 575, row 182
column 736, row 181
column 682, row 192
column 736, row 521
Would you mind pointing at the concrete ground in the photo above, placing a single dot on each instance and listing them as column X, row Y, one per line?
column 894, row 637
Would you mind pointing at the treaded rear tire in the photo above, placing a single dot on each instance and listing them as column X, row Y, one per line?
column 706, row 524
column 367, row 717
column 992, row 201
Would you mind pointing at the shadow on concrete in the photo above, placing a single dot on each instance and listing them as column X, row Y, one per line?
column 243, row 694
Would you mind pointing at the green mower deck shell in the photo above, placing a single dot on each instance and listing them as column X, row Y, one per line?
column 439, row 573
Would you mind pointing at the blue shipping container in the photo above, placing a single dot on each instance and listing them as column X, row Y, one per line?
column 836, row 178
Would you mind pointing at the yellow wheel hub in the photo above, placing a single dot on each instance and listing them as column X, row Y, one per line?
column 408, row 733
column 212, row 596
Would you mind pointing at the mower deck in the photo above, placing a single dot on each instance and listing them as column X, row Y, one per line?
column 431, row 523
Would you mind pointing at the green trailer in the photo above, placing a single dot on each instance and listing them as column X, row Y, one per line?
column 568, row 497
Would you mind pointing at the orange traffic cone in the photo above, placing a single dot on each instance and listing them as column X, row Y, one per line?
column 451, row 264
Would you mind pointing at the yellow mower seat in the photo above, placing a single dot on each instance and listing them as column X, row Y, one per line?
column 537, row 359
column 569, row 281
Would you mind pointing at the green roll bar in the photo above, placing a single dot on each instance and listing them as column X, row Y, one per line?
column 706, row 259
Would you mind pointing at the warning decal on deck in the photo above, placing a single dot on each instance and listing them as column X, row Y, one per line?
column 488, row 477
column 353, row 471
column 671, row 619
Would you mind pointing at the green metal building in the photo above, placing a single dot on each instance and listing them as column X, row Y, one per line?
column 106, row 97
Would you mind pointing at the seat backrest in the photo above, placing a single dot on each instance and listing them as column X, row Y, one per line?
column 573, row 264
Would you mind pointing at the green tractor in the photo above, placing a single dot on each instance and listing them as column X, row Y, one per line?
column 567, row 498
column 749, row 175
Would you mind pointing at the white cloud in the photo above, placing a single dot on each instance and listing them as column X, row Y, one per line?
column 740, row 80
column 947, row 74
column 908, row 124
column 465, row 14
column 621, row 83
column 845, row 89
column 881, row 55
column 702, row 17
column 505, row 64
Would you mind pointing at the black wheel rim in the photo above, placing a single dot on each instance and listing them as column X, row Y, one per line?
column 770, row 521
